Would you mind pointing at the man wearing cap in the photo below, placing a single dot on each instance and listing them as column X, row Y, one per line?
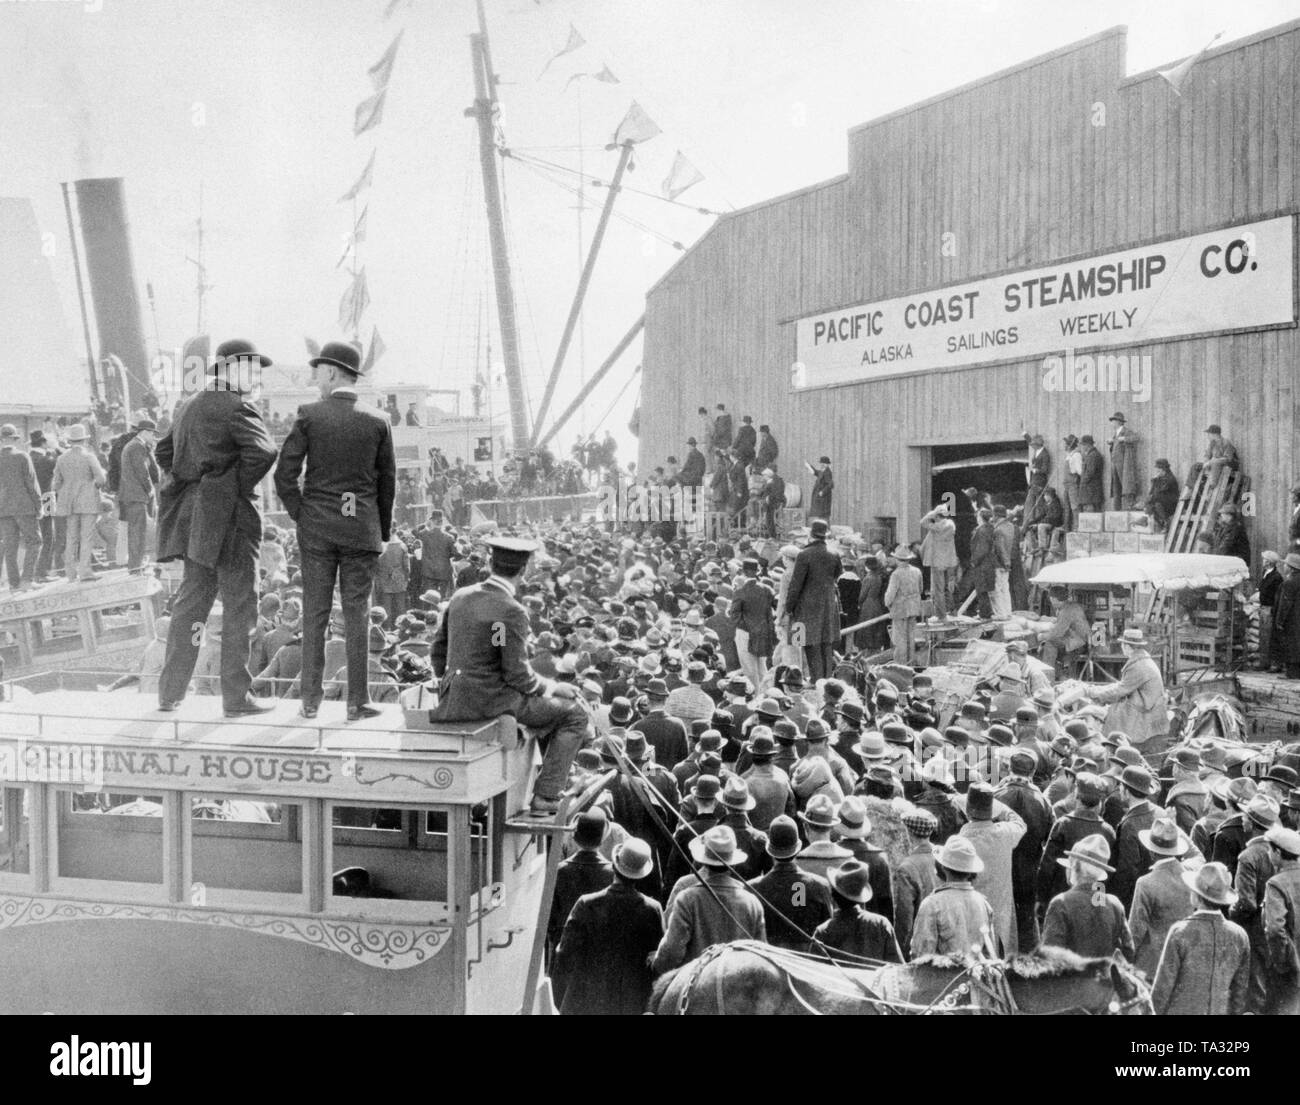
column 956, row 920
column 813, row 602
column 819, row 502
column 20, row 511
column 939, row 798
column 1282, row 923
column 344, row 513
column 1137, row 701
column 1037, row 469
column 602, row 966
column 1220, row 457
column 768, row 784
column 1137, row 786
column 1255, row 866
column 666, row 734
column 1160, row 897
column 213, row 459
column 1019, row 795
column 479, row 657
column 1286, row 617
column 437, row 546
column 916, row 876
column 751, row 614
column 135, row 490
column 1187, row 796
column 1228, row 538
column 708, row 743
column 1085, row 919
column 795, row 900
column 1162, row 496
column 716, row 908
column 1204, row 967
column 692, row 472
column 700, row 810
column 584, row 872
column 1068, row 829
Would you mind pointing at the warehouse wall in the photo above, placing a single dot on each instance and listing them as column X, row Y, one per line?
column 1017, row 171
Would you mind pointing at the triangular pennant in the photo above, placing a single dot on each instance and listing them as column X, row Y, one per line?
column 382, row 70
column 605, row 76
column 359, row 231
column 575, row 42
column 370, row 113
column 377, row 350
column 681, row 176
column 1176, row 75
column 363, row 181
column 636, row 126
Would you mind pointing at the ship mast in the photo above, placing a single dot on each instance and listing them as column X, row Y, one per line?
column 484, row 111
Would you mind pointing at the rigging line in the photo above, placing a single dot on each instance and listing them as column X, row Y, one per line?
column 630, row 220
column 610, row 409
column 598, row 183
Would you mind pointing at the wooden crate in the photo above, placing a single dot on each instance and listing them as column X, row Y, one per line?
column 1115, row 521
column 1076, row 545
column 1128, row 542
column 1101, row 543
column 1199, row 649
column 1090, row 522
column 1271, row 705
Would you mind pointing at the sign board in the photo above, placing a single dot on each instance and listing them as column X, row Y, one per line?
column 1239, row 278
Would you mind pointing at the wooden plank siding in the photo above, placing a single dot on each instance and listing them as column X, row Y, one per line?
column 1015, row 170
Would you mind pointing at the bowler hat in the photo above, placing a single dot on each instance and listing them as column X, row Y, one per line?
column 852, row 880
column 591, row 828
column 1212, row 882
column 620, row 711
column 783, row 838
column 656, row 688
column 819, row 528
column 783, row 731
column 238, row 349
column 853, row 712
column 37, row 438
column 1214, row 428
column 633, row 859
column 762, row 745
column 1139, row 781
column 824, row 460
column 340, row 354
column 638, row 751
column 767, row 707
column 895, row 732
column 735, row 794
column 1118, row 416
column 1001, row 735
column 706, row 788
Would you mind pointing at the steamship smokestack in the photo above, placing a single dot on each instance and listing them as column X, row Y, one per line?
column 105, row 234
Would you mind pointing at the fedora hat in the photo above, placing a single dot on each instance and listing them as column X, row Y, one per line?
column 146, row 424
column 1262, row 811
column 895, row 732
column 76, row 432
column 761, row 746
column 853, row 711
column 239, row 349
column 958, row 854
column 784, row 731
column 1134, row 638
column 717, row 848
column 706, row 788
column 852, row 880
column 1092, row 850
column 793, row 677
column 1164, row 838
column 633, row 859
column 638, row 751
column 902, row 552
column 1212, row 882
column 820, row 812
column 767, row 707
column 340, row 354
column 783, row 838
column 1288, row 840
column 872, row 746
column 620, row 711
column 735, row 794
column 854, row 824
column 1283, row 775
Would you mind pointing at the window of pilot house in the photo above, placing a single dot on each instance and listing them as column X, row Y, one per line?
column 110, row 837
column 244, row 849
column 386, row 854
column 15, row 837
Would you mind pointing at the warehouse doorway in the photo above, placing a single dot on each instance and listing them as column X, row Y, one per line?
column 996, row 469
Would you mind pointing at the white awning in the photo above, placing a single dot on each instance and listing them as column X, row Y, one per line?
column 1169, row 571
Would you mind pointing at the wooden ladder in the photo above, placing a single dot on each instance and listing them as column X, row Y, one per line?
column 1193, row 516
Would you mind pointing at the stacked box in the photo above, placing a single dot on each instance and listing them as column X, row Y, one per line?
column 1101, row 543
column 1090, row 523
column 1115, row 521
column 1151, row 542
column 1128, row 542
column 1077, row 545
column 1140, row 522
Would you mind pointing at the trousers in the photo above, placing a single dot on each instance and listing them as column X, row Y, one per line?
column 754, row 667
column 235, row 579
column 942, row 583
column 323, row 562
column 1001, row 592
column 136, row 516
column 821, row 660
column 561, row 725
column 24, row 530
column 77, row 546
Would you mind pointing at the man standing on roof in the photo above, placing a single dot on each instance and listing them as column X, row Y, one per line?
column 479, row 655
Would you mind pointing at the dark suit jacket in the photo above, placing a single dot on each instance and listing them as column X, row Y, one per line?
column 436, row 547
column 19, row 492
column 814, row 595
column 215, row 454
column 795, row 902
column 667, row 736
column 349, row 451
column 1132, row 861
column 478, row 677
column 751, row 610
column 692, row 473
column 601, row 966
column 139, row 473
column 582, row 873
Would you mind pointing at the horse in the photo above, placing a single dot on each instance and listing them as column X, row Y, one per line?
column 749, row 978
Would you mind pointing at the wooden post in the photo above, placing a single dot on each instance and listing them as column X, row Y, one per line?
column 596, row 378
column 583, row 282
column 459, row 878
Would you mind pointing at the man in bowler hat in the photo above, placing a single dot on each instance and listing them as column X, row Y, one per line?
column 214, row 456
column 344, row 513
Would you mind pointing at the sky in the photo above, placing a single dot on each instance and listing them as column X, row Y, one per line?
column 251, row 103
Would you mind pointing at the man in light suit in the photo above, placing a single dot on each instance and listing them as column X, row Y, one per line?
column 135, row 489
column 344, row 512
column 479, row 655
column 214, row 456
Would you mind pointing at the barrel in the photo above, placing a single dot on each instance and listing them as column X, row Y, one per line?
column 793, row 495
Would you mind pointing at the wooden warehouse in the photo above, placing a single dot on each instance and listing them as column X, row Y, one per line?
column 904, row 317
